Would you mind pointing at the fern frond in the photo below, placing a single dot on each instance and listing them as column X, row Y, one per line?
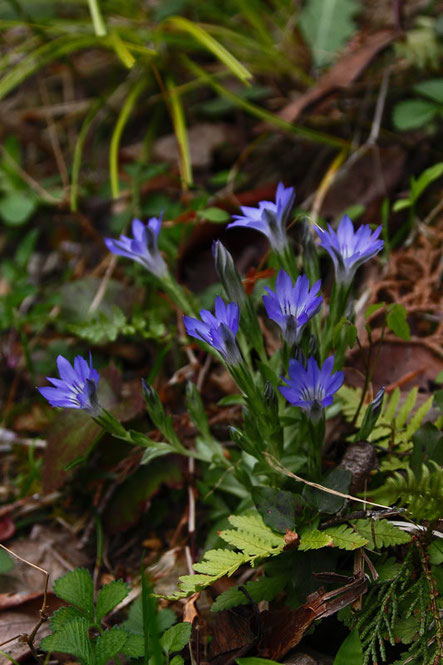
column 313, row 539
column 250, row 535
column 346, row 538
column 386, row 534
column 423, row 497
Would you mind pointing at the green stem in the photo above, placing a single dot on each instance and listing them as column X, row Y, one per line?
column 178, row 295
column 97, row 18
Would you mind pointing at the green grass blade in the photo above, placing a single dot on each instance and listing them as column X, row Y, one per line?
column 78, row 151
column 118, row 130
column 311, row 134
column 212, row 45
column 179, row 123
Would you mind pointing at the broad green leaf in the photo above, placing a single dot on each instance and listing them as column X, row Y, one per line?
column 277, row 507
column 432, row 89
column 350, row 651
column 425, row 179
column 73, row 638
column 428, row 444
column 215, row 215
column 109, row 644
column 109, row 596
column 176, row 637
column 266, row 588
column 397, row 322
column 327, row 25
column 436, row 552
column 338, row 479
column 17, row 207
column 6, row 562
column 413, row 114
column 76, row 587
column 177, row 660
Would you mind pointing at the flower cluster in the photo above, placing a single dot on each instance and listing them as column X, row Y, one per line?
column 76, row 388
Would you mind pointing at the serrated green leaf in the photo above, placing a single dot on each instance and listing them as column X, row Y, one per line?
column 253, row 523
column 109, row 596
column 386, row 533
column 391, row 405
column 134, row 647
column 266, row 588
column 350, row 651
column 73, row 639
column 277, row 507
column 313, row 539
column 63, row 615
column 397, row 322
column 76, row 587
column 346, row 538
column 176, row 637
column 417, row 418
column 219, row 562
column 406, row 629
column 109, row 644
column 177, row 660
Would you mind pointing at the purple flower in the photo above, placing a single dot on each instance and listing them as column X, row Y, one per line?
column 76, row 388
column 218, row 331
column 292, row 306
column 311, row 389
column 143, row 247
column 348, row 248
column 269, row 218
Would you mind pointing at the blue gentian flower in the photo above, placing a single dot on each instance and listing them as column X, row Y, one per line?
column 76, row 388
column 292, row 306
column 312, row 389
column 348, row 248
column 269, row 218
column 218, row 330
column 143, row 247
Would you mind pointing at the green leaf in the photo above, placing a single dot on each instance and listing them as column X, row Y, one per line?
column 17, row 207
column 6, row 562
column 386, row 534
column 346, row 538
column 338, row 479
column 177, row 660
column 219, row 562
column 134, row 647
column 76, row 587
column 266, row 588
column 176, row 637
column 109, row 644
column 428, row 444
column 216, row 215
column 350, row 651
column 396, row 321
column 277, row 507
column 63, row 616
column 251, row 535
column 425, row 179
column 73, row 638
column 432, row 89
column 109, row 596
column 436, row 552
column 313, row 539
column 327, row 26
column 413, row 114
